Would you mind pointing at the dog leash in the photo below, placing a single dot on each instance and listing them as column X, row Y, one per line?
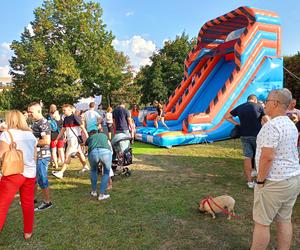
column 222, row 209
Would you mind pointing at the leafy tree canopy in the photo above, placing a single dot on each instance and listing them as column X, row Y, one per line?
column 292, row 63
column 160, row 79
column 69, row 55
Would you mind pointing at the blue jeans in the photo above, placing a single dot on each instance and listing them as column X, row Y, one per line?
column 42, row 172
column 249, row 146
column 104, row 156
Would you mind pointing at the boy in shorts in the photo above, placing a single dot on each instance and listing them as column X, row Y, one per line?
column 72, row 127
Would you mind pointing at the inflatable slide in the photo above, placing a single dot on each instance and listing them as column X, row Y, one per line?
column 236, row 55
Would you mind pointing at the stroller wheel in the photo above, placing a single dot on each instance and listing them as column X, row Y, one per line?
column 127, row 173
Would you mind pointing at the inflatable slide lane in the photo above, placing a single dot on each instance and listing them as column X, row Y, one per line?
column 236, row 55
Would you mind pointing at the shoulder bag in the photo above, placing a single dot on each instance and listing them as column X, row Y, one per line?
column 12, row 160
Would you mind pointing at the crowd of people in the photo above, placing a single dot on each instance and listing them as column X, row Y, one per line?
column 269, row 134
column 56, row 139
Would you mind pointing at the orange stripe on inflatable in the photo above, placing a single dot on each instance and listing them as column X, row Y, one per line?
column 186, row 99
column 242, row 92
column 220, row 104
column 185, row 84
column 245, row 40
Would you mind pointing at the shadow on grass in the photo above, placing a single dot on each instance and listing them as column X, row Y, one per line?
column 155, row 208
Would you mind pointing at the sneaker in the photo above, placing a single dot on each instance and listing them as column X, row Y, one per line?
column 251, row 184
column 58, row 174
column 253, row 173
column 103, row 197
column 93, row 193
column 85, row 169
column 43, row 206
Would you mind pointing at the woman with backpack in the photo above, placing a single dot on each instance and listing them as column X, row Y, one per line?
column 24, row 183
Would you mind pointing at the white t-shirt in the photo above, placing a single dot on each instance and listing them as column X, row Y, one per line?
column 26, row 142
column 281, row 134
column 109, row 118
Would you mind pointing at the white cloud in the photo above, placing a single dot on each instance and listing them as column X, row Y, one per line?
column 129, row 13
column 4, row 71
column 5, row 53
column 137, row 49
column 5, row 46
column 30, row 29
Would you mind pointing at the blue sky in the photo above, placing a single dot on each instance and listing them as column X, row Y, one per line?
column 141, row 26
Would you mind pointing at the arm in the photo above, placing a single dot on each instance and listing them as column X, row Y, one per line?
column 45, row 140
column 61, row 133
column 3, row 148
column 229, row 118
column 265, row 119
column 265, row 163
column 35, row 153
column 84, row 130
column 130, row 125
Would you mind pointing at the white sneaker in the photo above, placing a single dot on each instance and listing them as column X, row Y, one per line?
column 253, row 173
column 103, row 197
column 85, row 169
column 58, row 174
column 94, row 193
column 251, row 184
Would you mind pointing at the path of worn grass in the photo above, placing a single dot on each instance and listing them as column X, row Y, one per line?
column 155, row 208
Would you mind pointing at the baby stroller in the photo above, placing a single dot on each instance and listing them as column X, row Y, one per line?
column 122, row 156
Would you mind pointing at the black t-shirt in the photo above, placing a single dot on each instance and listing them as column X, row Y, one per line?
column 41, row 128
column 121, row 115
column 250, row 115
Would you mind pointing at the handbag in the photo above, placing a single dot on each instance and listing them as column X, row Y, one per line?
column 235, row 132
column 12, row 160
column 79, row 137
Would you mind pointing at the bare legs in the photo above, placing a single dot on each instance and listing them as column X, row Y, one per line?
column 54, row 157
column 261, row 236
column 162, row 120
column 248, row 169
column 284, row 235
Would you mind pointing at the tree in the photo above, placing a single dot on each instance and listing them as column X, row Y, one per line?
column 292, row 63
column 69, row 55
column 159, row 80
column 6, row 99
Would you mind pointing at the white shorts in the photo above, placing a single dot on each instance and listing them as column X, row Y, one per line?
column 73, row 147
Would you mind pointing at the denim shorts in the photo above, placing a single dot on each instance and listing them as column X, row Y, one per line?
column 249, row 146
column 42, row 172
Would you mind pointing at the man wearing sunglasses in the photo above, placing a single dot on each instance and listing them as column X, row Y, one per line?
column 278, row 179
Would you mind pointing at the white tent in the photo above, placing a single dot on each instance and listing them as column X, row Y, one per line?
column 83, row 103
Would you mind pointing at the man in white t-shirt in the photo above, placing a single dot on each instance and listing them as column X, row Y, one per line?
column 92, row 118
column 278, row 180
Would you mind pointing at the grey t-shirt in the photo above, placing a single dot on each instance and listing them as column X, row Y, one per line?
column 41, row 128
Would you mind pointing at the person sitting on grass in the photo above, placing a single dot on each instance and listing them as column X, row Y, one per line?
column 160, row 115
column 99, row 151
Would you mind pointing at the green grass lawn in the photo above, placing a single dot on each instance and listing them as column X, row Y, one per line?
column 155, row 208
